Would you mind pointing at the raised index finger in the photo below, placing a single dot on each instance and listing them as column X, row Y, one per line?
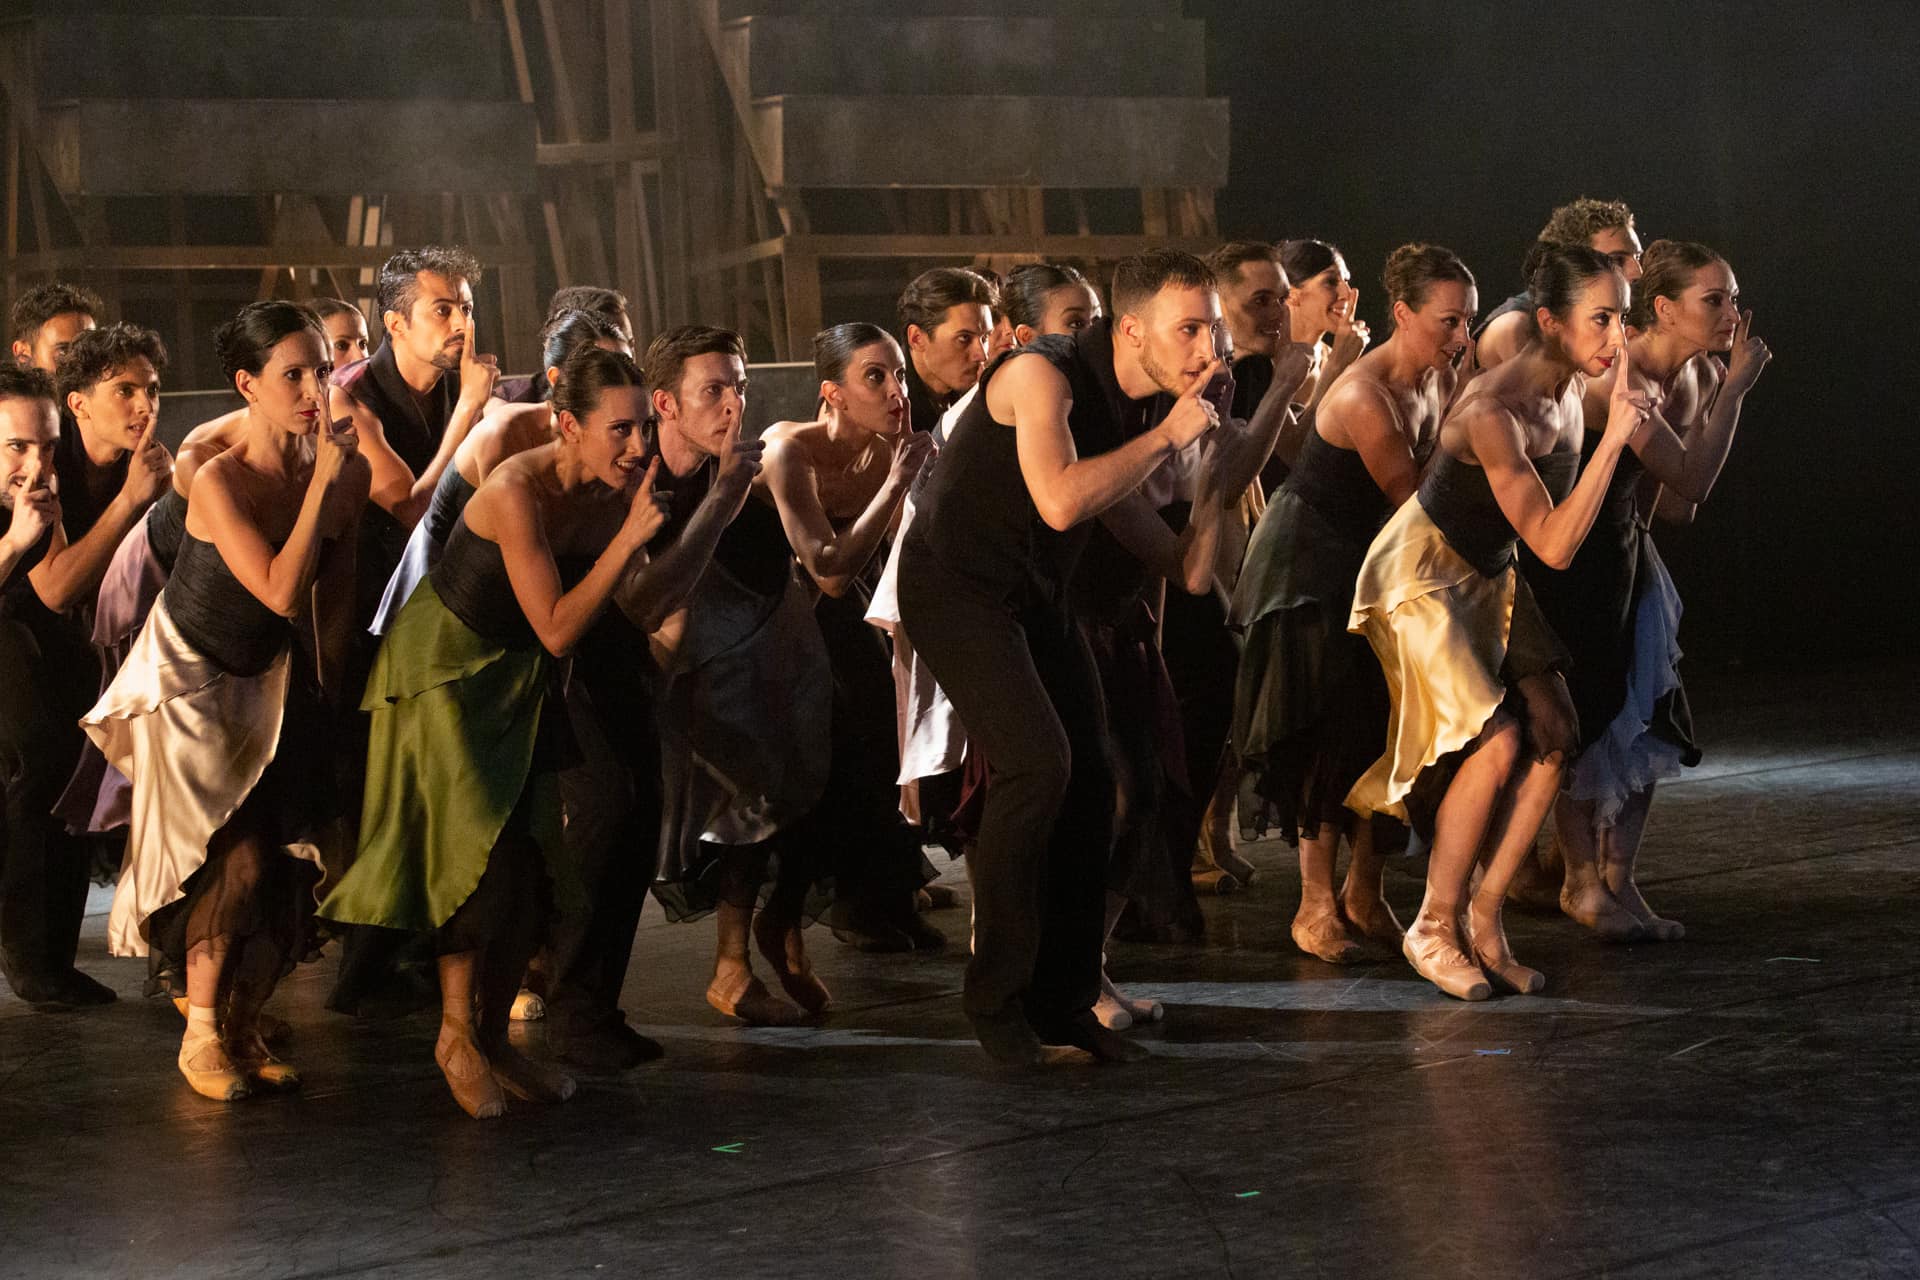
column 1622, row 384
column 1201, row 380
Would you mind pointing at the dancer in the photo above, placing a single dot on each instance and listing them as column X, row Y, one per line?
column 946, row 315
column 1311, row 704
column 1323, row 309
column 1481, row 726
column 609, row 305
column 1602, row 225
column 215, row 716
column 1052, row 442
column 460, row 834
column 46, row 318
column 346, row 330
column 1615, row 605
column 837, row 484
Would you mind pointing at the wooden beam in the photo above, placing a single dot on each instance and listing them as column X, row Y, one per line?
column 641, row 148
column 968, row 246
column 247, row 257
column 674, row 256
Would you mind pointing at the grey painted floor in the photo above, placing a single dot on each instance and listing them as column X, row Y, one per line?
column 1742, row 1103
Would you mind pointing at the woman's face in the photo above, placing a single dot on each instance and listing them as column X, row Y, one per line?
column 612, row 442
column 1070, row 308
column 871, row 394
column 346, row 337
column 1707, row 311
column 1003, row 337
column 1323, row 299
column 1590, row 334
column 1437, row 329
column 290, row 391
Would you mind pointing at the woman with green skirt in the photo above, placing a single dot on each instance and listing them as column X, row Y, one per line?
column 460, row 833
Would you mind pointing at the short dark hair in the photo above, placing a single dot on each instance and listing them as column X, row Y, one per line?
column 925, row 302
column 247, row 341
column 609, row 303
column 1227, row 260
column 1137, row 279
column 99, row 353
column 668, row 353
column 328, row 308
column 1306, row 258
column 1560, row 272
column 1579, row 221
column 400, row 275
column 1023, row 294
column 25, row 382
column 45, row 301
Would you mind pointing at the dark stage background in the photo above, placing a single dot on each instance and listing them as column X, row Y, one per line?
column 1783, row 135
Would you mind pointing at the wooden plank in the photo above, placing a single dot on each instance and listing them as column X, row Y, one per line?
column 517, row 47
column 804, row 311
column 247, row 257
column 968, row 246
column 643, row 148
column 675, row 284
column 650, row 268
column 565, row 105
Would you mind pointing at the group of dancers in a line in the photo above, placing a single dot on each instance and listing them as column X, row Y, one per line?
column 458, row 668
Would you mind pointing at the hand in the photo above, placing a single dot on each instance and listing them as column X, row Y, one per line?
column 1627, row 409
column 1292, row 365
column 477, row 374
column 1350, row 335
column 647, row 514
column 1748, row 357
column 149, row 470
column 339, row 444
column 34, row 512
column 1191, row 416
column 1467, row 363
column 909, row 456
column 739, row 465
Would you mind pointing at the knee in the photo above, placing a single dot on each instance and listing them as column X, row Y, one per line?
column 1038, row 777
column 1553, row 726
column 1500, row 741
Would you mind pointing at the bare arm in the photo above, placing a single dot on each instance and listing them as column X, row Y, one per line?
column 71, row 572
column 832, row 558
column 1276, row 425
column 656, row 590
column 1360, row 412
column 279, row 580
column 1503, row 338
column 1689, row 465
column 1066, row 488
column 1187, row 557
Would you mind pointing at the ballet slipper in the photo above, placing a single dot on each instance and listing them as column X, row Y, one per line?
column 469, row 1075
column 1437, row 957
column 209, row 1071
column 272, row 1030
column 1084, row 1032
column 797, row 980
column 1322, row 935
column 1373, row 920
column 529, row 1079
column 1236, row 866
column 251, row 1055
column 753, row 1004
column 528, row 1006
column 1113, row 1015
column 1656, row 927
column 1602, row 914
column 1487, row 942
column 1136, row 1011
column 1215, row 881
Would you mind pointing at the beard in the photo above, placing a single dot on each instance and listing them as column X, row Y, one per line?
column 1167, row 380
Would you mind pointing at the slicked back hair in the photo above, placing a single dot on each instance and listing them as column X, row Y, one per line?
column 1137, row 279
column 399, row 285
column 925, row 302
column 668, row 353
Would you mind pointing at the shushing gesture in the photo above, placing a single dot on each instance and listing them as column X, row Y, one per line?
column 647, row 513
column 1627, row 409
column 1747, row 358
column 739, row 465
column 149, row 470
column 478, row 373
column 36, row 509
column 1192, row 415
column 909, row 456
column 339, row 445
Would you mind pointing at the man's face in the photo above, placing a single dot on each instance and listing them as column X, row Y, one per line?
column 1622, row 244
column 121, row 408
column 1174, row 335
column 29, row 427
column 346, row 337
column 711, row 401
column 435, row 330
column 950, row 358
column 50, row 340
column 1254, row 303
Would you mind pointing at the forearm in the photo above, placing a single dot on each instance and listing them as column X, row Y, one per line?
column 1200, row 548
column 575, row 611
column 833, row 564
column 656, row 590
column 410, row 508
column 291, row 574
column 68, row 579
column 1707, row 449
column 1558, row 535
column 1084, row 488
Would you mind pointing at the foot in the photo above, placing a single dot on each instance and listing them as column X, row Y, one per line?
column 1436, row 956
column 1372, row 919
column 1138, row 1012
column 469, row 1074
column 1320, row 933
column 1007, row 1038
column 1214, row 881
column 1486, row 939
column 528, row 1006
column 923, row 935
column 1535, row 887
column 611, row 1046
column 527, row 1079
column 254, row 1060
column 1113, row 1015
column 785, row 948
column 209, row 1071
column 1235, row 865
column 272, row 1030
column 939, row 897
column 1658, row 928
column 1601, row 913
column 738, row 994
column 1083, row 1031
column 71, row 989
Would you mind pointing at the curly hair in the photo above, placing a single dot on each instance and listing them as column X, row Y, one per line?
column 98, row 354
column 45, row 301
column 1583, row 219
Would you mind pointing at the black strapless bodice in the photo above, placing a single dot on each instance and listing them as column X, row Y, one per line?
column 449, row 499
column 1335, row 482
column 471, row 580
column 166, row 526
column 1459, row 499
column 219, row 617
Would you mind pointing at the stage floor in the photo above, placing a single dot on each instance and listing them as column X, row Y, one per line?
column 1740, row 1103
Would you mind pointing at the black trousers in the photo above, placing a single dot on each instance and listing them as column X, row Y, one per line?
column 48, row 676
column 1025, row 687
column 612, row 799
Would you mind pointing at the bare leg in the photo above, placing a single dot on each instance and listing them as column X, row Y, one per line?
column 502, row 969
column 781, row 939
column 1584, row 896
column 1318, row 929
column 469, row 1074
column 1517, row 822
column 1116, row 1010
column 734, row 990
column 1216, row 867
column 1536, row 886
column 1433, row 944
column 1622, row 850
column 1363, row 901
column 203, row 1058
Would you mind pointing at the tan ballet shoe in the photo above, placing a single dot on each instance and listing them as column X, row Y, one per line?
column 469, row 1075
column 528, row 1079
column 754, row 1005
column 1375, row 922
column 528, row 1006
column 1600, row 913
column 271, row 1029
column 209, row 1071
column 261, row 1068
column 1435, row 957
column 1493, row 954
column 1326, row 938
column 800, row 984
column 1655, row 927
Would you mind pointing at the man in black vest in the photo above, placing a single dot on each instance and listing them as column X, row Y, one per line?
column 946, row 316
column 1056, row 437
column 46, row 318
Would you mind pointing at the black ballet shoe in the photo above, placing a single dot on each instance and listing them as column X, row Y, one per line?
column 1083, row 1031
column 923, row 935
column 1007, row 1038
column 54, row 992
